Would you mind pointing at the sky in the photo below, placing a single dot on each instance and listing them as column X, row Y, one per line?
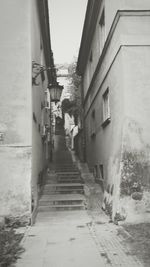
column 66, row 25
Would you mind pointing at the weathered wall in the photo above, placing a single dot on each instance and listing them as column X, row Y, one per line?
column 41, row 114
column 105, row 147
column 110, row 145
column 15, row 108
column 135, row 183
column 15, row 180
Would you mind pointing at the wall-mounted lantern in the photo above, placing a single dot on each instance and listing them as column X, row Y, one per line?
column 55, row 91
column 54, row 88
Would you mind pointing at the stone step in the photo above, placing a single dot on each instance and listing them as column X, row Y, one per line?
column 69, row 181
column 64, row 191
column 65, row 165
column 64, row 197
column 61, row 159
column 58, row 190
column 63, row 185
column 61, row 207
column 62, row 179
column 63, row 173
column 68, row 176
column 59, row 202
column 70, row 164
column 66, row 169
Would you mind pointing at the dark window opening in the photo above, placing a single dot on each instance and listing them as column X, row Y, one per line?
column 34, row 118
column 93, row 124
column 101, row 171
column 42, row 76
column 91, row 57
column 102, row 30
column 106, row 108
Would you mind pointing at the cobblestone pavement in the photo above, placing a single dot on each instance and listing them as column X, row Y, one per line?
column 110, row 245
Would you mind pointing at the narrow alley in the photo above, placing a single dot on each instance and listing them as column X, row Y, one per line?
column 74, row 133
column 70, row 229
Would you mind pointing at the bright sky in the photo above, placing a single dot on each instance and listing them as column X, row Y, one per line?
column 66, row 25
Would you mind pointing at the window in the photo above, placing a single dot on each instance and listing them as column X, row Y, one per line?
column 47, row 99
column 95, row 172
column 102, row 30
column 91, row 57
column 42, row 57
column 41, row 43
column 98, row 173
column 101, row 171
column 93, row 124
column 106, row 108
column 34, row 117
column 42, row 76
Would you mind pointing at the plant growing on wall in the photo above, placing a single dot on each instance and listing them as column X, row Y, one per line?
column 72, row 106
column 132, row 173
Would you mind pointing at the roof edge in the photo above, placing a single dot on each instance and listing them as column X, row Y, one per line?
column 92, row 11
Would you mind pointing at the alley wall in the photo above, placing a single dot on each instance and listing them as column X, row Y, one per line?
column 114, row 64
column 40, row 115
column 15, row 108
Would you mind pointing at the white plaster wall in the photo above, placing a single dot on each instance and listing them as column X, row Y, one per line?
column 111, row 7
column 105, row 148
column 110, row 13
column 15, row 181
column 38, row 96
column 15, row 107
column 125, row 67
column 95, row 50
column 137, row 96
column 15, row 72
column 136, row 141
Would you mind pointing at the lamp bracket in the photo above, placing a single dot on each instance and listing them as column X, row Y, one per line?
column 37, row 69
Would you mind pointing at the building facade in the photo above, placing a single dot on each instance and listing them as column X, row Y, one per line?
column 24, row 104
column 114, row 64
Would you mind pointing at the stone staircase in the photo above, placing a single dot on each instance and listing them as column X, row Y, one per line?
column 64, row 190
column 64, row 187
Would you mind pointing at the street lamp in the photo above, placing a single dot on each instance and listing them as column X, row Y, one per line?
column 55, row 91
column 54, row 88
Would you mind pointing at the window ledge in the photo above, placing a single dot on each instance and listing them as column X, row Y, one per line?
column 106, row 122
